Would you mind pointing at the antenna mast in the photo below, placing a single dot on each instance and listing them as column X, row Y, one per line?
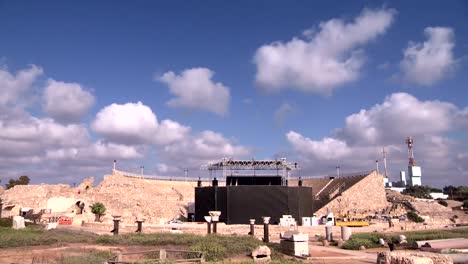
column 409, row 142
column 385, row 161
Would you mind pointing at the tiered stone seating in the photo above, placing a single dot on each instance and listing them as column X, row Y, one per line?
column 326, row 189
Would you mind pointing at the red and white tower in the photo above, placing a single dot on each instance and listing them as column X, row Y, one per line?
column 409, row 142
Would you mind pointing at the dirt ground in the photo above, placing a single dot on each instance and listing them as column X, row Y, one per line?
column 55, row 254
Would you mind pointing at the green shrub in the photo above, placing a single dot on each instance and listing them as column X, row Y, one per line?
column 356, row 243
column 6, row 222
column 36, row 236
column 216, row 247
column 414, row 217
column 97, row 257
column 465, row 204
column 443, row 202
column 213, row 251
column 369, row 240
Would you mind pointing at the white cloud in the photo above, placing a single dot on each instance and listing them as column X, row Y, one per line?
column 400, row 115
column 13, row 86
column 323, row 60
column 170, row 131
column 326, row 149
column 202, row 148
column 135, row 123
column 428, row 62
column 128, row 123
column 195, row 89
column 462, row 119
column 45, row 132
column 66, row 102
column 98, row 150
column 26, row 142
column 357, row 145
column 54, row 148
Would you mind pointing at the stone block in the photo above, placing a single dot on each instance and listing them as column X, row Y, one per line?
column 18, row 222
column 408, row 257
column 261, row 254
column 295, row 248
column 346, row 233
column 294, row 236
column 50, row 226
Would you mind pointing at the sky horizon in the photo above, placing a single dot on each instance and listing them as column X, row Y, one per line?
column 174, row 85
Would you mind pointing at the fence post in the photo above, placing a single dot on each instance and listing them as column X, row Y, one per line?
column 252, row 227
column 266, row 235
column 116, row 225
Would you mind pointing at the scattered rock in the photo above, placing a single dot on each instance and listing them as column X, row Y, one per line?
column 261, row 254
column 325, row 243
column 50, row 226
column 362, row 247
column 18, row 222
column 381, row 242
column 402, row 239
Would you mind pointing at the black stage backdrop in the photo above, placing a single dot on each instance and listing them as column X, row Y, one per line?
column 238, row 204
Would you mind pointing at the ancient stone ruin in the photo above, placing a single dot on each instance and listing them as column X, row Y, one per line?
column 154, row 201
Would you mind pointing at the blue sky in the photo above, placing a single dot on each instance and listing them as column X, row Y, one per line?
column 281, row 78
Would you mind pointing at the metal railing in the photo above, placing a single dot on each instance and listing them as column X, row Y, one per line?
column 222, row 179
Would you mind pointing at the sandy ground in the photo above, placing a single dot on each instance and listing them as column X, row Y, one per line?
column 55, row 254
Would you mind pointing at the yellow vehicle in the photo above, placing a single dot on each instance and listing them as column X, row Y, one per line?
column 352, row 223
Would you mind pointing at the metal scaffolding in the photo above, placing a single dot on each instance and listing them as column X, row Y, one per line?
column 253, row 168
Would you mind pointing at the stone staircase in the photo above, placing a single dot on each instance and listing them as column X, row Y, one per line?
column 331, row 188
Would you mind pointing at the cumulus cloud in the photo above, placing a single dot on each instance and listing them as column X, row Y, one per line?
column 462, row 119
column 58, row 148
column 99, row 150
column 201, row 148
column 66, row 102
column 195, row 89
column 324, row 60
column 45, row 132
column 357, row 145
column 135, row 123
column 13, row 86
column 26, row 142
column 400, row 115
column 326, row 149
column 431, row 61
column 128, row 123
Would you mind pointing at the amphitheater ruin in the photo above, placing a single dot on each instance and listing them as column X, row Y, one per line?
column 157, row 201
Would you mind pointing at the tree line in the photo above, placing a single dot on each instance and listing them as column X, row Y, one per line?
column 22, row 180
column 459, row 193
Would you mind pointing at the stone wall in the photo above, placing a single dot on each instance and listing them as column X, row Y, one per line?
column 32, row 196
column 153, row 200
column 367, row 195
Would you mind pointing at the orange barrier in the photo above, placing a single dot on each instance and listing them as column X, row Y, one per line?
column 65, row 221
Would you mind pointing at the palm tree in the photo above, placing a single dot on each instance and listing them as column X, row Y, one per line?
column 98, row 209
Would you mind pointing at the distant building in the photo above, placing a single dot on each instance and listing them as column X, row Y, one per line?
column 414, row 175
